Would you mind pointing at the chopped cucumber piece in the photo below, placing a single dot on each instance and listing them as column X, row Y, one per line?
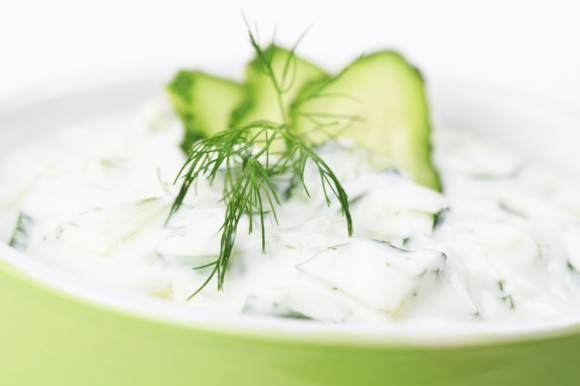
column 292, row 74
column 20, row 236
column 258, row 306
column 303, row 300
column 204, row 103
column 525, row 203
column 392, row 190
column 102, row 230
column 162, row 291
column 376, row 273
column 192, row 249
column 506, row 207
column 193, row 237
column 404, row 208
column 379, row 102
column 196, row 262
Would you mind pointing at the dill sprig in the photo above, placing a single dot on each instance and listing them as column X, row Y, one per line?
column 244, row 156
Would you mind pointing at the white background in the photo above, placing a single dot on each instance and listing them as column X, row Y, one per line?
column 523, row 47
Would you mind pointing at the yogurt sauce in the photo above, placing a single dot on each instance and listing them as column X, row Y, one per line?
column 502, row 242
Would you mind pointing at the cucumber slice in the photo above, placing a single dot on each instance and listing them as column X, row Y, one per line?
column 292, row 74
column 204, row 103
column 379, row 102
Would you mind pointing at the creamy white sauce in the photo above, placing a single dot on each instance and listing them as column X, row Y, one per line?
column 501, row 243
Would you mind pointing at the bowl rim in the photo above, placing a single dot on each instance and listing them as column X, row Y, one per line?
column 18, row 266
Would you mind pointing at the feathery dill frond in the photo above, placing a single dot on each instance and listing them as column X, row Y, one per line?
column 249, row 164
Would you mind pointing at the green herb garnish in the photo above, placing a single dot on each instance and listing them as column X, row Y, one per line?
column 251, row 165
column 508, row 299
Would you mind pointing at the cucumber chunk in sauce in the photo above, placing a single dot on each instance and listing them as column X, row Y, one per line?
column 303, row 300
column 259, row 306
column 20, row 233
column 193, row 238
column 101, row 231
column 403, row 209
column 377, row 274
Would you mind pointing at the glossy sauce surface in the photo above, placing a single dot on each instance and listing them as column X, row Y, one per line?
column 502, row 242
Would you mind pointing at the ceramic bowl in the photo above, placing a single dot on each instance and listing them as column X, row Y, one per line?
column 58, row 330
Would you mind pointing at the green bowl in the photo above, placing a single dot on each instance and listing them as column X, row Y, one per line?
column 56, row 329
